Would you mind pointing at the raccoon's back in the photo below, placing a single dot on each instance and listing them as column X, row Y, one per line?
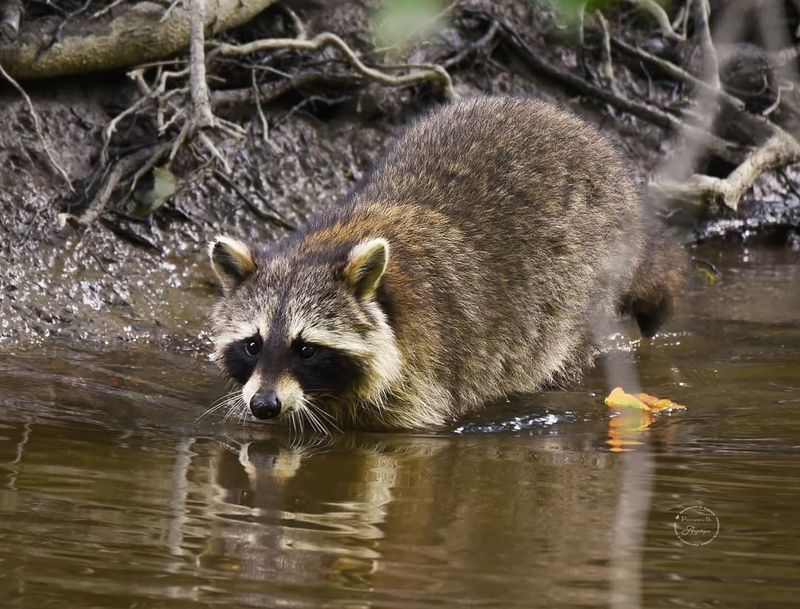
column 510, row 164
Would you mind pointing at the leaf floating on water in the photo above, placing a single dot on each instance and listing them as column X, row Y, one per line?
column 618, row 398
column 635, row 414
column 161, row 185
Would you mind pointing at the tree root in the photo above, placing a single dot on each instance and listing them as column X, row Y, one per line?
column 423, row 72
column 163, row 97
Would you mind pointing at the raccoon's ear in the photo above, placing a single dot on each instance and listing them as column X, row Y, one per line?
column 366, row 264
column 232, row 262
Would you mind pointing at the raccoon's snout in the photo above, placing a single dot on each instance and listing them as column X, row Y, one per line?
column 265, row 405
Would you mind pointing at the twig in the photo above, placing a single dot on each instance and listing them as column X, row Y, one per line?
column 299, row 28
column 169, row 9
column 661, row 17
column 431, row 72
column 111, row 127
column 37, row 125
column 682, row 18
column 10, row 18
column 703, row 33
column 776, row 152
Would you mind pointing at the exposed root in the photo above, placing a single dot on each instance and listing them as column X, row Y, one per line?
column 606, row 63
column 480, row 44
column 201, row 104
column 424, row 72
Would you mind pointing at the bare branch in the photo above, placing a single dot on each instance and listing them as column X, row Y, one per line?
column 606, row 65
column 670, row 69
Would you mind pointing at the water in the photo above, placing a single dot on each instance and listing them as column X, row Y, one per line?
column 111, row 495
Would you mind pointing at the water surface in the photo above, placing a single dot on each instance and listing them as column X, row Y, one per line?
column 112, row 495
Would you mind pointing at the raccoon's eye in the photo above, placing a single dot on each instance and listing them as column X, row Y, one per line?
column 307, row 350
column 252, row 346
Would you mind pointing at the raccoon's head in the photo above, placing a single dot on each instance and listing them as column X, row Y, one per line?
column 302, row 329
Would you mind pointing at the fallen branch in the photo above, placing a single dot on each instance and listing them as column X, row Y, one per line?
column 427, row 72
column 38, row 128
column 136, row 36
column 777, row 152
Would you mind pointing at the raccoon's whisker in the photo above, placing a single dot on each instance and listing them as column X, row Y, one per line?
column 315, row 421
column 234, row 406
column 221, row 402
column 316, row 411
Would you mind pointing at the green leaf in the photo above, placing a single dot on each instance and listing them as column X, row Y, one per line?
column 154, row 191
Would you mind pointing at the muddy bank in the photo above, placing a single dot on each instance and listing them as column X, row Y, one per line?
column 125, row 280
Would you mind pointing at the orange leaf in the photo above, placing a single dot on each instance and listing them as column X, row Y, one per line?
column 618, row 398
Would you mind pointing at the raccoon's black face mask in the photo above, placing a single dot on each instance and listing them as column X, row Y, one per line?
column 303, row 330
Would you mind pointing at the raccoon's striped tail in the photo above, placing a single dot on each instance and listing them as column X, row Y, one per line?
column 657, row 281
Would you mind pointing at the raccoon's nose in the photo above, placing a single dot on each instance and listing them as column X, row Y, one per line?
column 265, row 405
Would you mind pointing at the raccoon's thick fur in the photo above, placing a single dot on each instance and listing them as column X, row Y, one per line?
column 478, row 259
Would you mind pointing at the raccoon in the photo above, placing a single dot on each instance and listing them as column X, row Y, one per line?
column 476, row 260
